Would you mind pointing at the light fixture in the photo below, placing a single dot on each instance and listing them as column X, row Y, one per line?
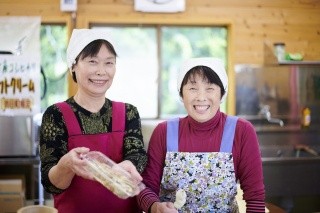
column 68, row 5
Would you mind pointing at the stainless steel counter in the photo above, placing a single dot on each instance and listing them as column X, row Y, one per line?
column 289, row 171
column 19, row 160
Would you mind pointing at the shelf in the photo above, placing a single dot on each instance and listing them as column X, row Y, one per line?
column 270, row 58
column 299, row 62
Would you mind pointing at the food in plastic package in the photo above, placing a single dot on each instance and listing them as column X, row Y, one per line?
column 181, row 198
column 112, row 176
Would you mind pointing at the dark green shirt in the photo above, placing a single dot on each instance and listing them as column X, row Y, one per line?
column 54, row 136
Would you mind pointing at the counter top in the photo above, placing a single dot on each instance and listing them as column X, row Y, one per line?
column 19, row 160
column 287, row 128
column 274, row 209
column 270, row 208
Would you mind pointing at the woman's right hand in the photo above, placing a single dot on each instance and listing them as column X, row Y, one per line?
column 163, row 207
column 70, row 164
column 74, row 161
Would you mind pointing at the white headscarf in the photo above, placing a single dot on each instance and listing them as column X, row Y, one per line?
column 80, row 38
column 214, row 63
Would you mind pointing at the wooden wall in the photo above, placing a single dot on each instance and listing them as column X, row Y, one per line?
column 253, row 24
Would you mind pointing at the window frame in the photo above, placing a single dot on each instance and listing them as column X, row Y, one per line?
column 87, row 22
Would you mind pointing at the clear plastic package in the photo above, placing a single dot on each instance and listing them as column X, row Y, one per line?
column 112, row 176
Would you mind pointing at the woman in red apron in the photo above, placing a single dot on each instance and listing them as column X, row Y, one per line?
column 205, row 153
column 89, row 121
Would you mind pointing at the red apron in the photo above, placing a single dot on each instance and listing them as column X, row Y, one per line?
column 86, row 196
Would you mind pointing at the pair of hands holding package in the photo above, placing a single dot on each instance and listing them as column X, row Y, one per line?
column 116, row 178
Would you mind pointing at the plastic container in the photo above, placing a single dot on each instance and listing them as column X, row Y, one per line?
column 112, row 176
column 279, row 50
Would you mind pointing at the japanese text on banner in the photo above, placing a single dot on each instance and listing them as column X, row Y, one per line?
column 19, row 85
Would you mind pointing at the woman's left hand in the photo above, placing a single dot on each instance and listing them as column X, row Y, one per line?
column 129, row 167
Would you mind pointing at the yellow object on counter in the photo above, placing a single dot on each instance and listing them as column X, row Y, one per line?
column 305, row 117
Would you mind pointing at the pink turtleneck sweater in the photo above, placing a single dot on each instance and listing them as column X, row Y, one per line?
column 206, row 137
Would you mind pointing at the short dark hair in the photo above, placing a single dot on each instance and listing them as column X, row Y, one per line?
column 91, row 50
column 207, row 74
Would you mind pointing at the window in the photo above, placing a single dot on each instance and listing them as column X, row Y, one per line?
column 149, row 59
column 136, row 77
column 54, row 86
column 178, row 44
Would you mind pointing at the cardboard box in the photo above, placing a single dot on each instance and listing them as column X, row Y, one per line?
column 12, row 195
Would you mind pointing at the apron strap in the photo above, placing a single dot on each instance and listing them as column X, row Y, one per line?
column 228, row 134
column 73, row 127
column 72, row 124
column 172, row 135
column 118, row 116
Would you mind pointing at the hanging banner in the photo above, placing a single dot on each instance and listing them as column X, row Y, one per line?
column 19, row 85
column 20, row 65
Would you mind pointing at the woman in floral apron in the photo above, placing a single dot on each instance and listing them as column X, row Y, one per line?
column 89, row 121
column 205, row 153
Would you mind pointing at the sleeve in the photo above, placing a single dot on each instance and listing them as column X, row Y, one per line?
column 53, row 145
column 152, row 175
column 249, row 167
column 133, row 140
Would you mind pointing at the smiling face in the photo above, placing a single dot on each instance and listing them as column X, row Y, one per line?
column 95, row 73
column 200, row 97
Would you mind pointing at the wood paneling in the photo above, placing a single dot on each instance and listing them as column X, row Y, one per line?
column 297, row 22
column 254, row 23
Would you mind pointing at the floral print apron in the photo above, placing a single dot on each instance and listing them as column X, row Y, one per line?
column 207, row 177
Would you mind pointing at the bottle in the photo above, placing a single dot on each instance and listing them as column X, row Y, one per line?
column 279, row 51
column 305, row 117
